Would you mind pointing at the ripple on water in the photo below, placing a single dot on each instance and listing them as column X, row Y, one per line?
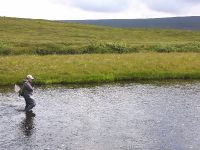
column 117, row 116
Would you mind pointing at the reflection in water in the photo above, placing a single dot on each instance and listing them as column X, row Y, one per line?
column 27, row 124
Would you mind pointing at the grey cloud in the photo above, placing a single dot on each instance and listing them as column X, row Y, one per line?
column 101, row 5
column 170, row 6
column 192, row 1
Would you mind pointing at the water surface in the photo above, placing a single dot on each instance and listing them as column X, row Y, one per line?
column 118, row 116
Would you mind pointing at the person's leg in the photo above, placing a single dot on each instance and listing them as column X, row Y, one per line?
column 31, row 104
column 26, row 102
column 26, row 107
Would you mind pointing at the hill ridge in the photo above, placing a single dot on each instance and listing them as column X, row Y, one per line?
column 183, row 23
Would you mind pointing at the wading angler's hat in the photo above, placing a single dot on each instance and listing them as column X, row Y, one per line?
column 29, row 77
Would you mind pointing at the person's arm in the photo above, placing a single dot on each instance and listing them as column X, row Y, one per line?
column 28, row 87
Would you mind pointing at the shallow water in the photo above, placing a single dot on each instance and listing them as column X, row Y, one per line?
column 130, row 116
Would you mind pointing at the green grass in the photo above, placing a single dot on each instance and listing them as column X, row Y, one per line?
column 42, row 37
column 23, row 41
column 90, row 68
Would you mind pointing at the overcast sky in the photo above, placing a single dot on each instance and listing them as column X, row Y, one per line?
column 98, row 9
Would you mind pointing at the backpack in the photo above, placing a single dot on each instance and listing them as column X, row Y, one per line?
column 21, row 92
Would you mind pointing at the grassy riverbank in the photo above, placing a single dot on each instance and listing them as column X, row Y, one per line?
column 99, row 67
column 42, row 37
column 23, row 41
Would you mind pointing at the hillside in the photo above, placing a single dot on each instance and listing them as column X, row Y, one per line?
column 27, row 36
column 184, row 23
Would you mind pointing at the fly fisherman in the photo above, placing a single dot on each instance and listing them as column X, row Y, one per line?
column 27, row 91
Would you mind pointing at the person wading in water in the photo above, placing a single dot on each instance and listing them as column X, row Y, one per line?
column 26, row 92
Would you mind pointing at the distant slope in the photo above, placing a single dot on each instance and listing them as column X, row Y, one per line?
column 185, row 23
column 29, row 36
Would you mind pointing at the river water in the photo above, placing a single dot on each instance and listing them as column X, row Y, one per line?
column 121, row 116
